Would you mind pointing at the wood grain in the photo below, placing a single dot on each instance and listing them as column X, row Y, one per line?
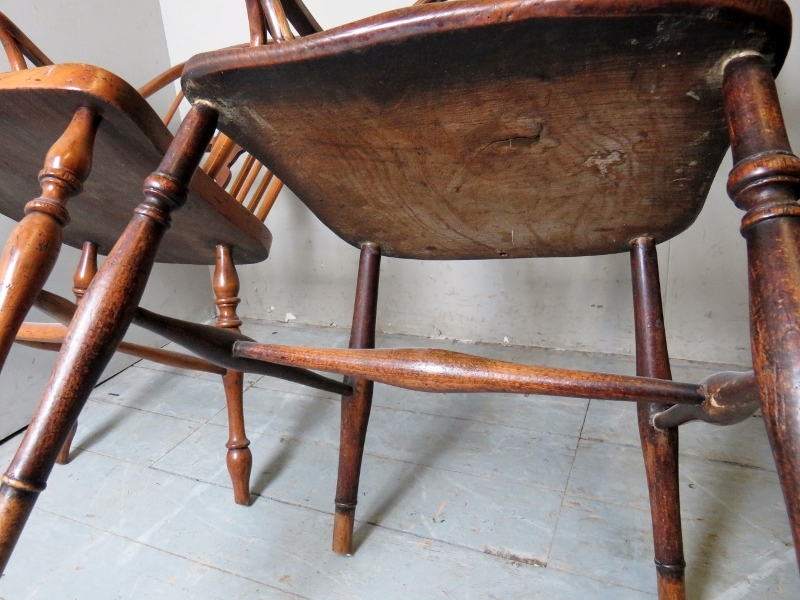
column 443, row 371
column 463, row 130
column 36, row 105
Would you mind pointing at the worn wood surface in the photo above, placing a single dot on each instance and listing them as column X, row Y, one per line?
column 36, row 106
column 731, row 397
column 464, row 130
column 357, row 405
column 765, row 182
column 659, row 447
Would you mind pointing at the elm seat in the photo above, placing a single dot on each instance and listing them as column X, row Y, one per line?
column 36, row 105
column 450, row 131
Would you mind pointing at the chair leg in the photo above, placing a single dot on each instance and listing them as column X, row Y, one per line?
column 764, row 182
column 660, row 448
column 98, row 326
column 356, row 407
column 84, row 273
column 239, row 458
column 33, row 247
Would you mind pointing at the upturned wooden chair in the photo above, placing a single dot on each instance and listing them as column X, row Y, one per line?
column 111, row 130
column 477, row 129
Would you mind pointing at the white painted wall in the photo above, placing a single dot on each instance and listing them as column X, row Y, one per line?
column 572, row 303
column 127, row 39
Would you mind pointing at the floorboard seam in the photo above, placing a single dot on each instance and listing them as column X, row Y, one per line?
column 566, row 485
column 206, row 565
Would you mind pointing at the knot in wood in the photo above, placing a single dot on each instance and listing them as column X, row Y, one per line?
column 751, row 178
column 49, row 207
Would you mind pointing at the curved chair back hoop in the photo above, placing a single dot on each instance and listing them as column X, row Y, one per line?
column 18, row 47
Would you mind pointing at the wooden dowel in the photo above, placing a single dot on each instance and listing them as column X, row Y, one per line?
column 23, row 43
column 49, row 336
column 214, row 344
column 162, row 80
column 255, row 19
column 221, row 150
column 15, row 57
column 269, row 201
column 173, row 108
column 453, row 372
column 249, row 181
column 260, row 189
column 237, row 184
column 277, row 22
column 299, row 16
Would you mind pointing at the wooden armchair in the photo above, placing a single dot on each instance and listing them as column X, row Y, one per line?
column 112, row 131
column 485, row 129
column 477, row 129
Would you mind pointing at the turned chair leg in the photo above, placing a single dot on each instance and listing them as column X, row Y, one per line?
column 356, row 407
column 239, row 458
column 84, row 273
column 660, row 448
column 765, row 182
column 98, row 326
column 34, row 244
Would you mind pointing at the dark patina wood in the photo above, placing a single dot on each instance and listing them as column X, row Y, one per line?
column 356, row 406
column 659, row 447
column 84, row 273
column 492, row 129
column 731, row 397
column 765, row 182
column 494, row 140
column 212, row 343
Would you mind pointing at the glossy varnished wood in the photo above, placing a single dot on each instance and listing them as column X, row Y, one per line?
column 444, row 371
column 98, row 326
column 464, row 130
column 659, row 446
column 36, row 105
column 212, row 343
column 357, row 405
column 765, row 182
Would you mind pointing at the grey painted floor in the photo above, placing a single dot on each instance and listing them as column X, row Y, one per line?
column 481, row 496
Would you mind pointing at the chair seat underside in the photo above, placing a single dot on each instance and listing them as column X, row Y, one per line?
column 518, row 136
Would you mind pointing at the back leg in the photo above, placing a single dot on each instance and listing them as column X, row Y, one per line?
column 84, row 273
column 239, row 458
column 356, row 407
column 660, row 448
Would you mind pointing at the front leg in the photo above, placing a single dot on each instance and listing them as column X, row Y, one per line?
column 34, row 244
column 98, row 326
column 765, row 182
